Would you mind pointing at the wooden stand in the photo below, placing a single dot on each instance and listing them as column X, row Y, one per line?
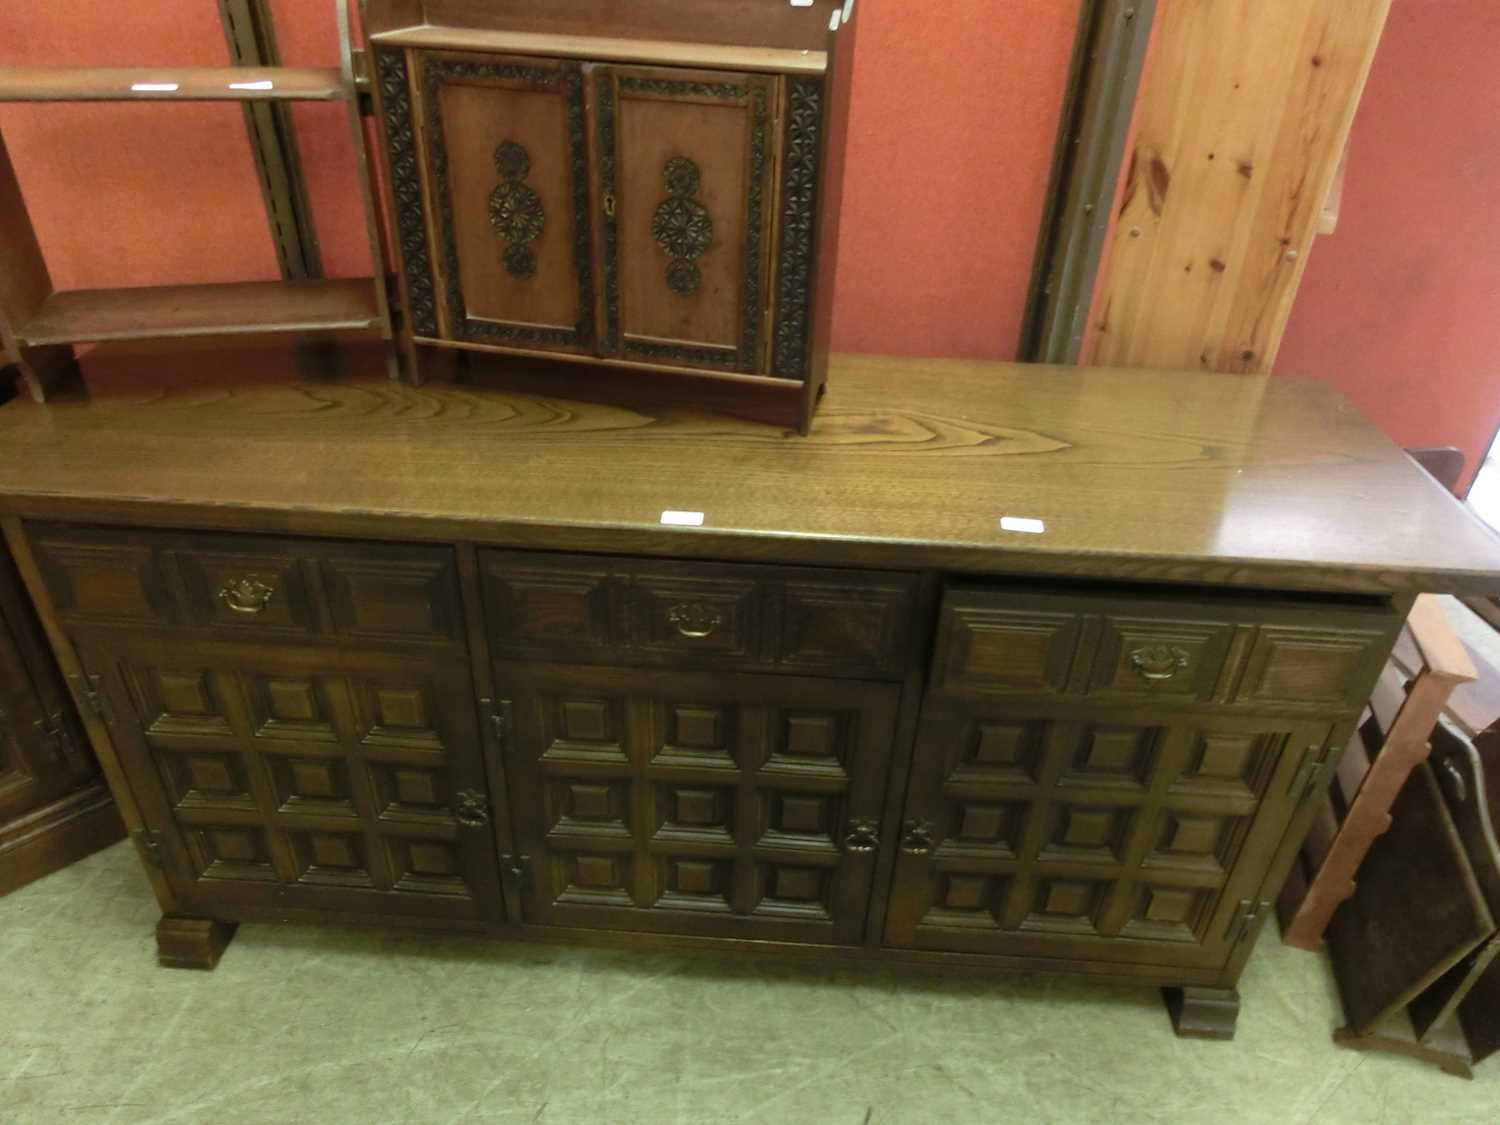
column 191, row 943
column 1388, row 745
column 39, row 325
column 1203, row 1013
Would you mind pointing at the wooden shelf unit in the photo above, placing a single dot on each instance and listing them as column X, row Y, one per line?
column 171, row 84
column 39, row 324
column 97, row 315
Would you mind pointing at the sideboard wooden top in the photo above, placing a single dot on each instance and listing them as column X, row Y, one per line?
column 1135, row 475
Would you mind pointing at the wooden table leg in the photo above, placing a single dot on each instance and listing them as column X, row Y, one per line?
column 1203, row 1013
column 191, row 943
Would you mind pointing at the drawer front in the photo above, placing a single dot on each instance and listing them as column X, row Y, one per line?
column 1085, row 832
column 624, row 611
column 1232, row 652
column 251, row 586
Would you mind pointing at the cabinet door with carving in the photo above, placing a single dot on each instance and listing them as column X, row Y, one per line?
column 507, row 181
column 720, row 805
column 40, row 760
column 1082, row 834
column 284, row 778
column 685, row 171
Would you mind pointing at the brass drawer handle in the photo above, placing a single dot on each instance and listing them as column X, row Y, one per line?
column 247, row 595
column 918, row 838
column 863, row 838
column 1159, row 662
column 695, row 621
column 471, row 808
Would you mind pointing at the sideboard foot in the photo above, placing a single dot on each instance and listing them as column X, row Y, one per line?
column 1203, row 1013
column 191, row 943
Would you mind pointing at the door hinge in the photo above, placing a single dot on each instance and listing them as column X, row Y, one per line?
column 1248, row 918
column 91, row 699
column 518, row 867
column 500, row 723
column 1309, row 779
column 148, row 843
column 54, row 731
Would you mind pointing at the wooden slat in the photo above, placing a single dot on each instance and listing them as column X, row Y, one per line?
column 88, row 315
column 1242, row 124
column 1443, row 653
column 171, row 84
column 658, row 52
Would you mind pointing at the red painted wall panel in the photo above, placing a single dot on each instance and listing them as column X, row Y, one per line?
column 1401, row 306
column 955, row 114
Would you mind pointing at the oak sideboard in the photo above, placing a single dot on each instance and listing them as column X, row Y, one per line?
column 1000, row 667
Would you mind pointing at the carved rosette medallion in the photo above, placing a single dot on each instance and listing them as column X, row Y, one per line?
column 682, row 226
column 516, row 210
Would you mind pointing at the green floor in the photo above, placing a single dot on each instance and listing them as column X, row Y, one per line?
column 327, row 1026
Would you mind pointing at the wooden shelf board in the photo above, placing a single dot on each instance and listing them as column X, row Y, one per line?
column 776, row 60
column 95, row 315
column 170, row 84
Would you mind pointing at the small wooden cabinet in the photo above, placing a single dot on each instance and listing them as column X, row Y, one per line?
column 54, row 804
column 650, row 190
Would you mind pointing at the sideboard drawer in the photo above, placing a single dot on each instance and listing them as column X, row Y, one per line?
column 247, row 585
column 1253, row 652
column 638, row 611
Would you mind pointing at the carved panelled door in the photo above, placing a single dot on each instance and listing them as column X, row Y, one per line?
column 1068, row 835
column 685, row 171
column 39, row 760
column 507, row 176
column 726, row 805
column 307, row 777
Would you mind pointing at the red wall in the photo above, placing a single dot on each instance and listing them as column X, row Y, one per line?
column 1401, row 306
column 951, row 140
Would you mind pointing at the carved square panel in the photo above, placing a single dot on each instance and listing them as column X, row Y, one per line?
column 798, row 884
column 1164, row 913
column 794, row 891
column 1002, row 752
column 286, row 707
column 596, row 871
column 234, row 852
column 411, row 792
column 696, row 735
column 699, row 728
column 1225, row 764
column 590, row 802
column 1306, row 667
column 401, row 716
column 433, row 867
column 1066, row 905
column 311, row 785
column 696, row 813
column 331, row 858
column 182, row 702
column 811, row 744
column 966, row 892
column 811, row 736
column 1115, row 757
column 695, row 884
column 547, row 606
column 585, row 720
column 206, row 778
column 1088, row 833
column 798, row 819
column 1161, row 658
column 802, row 813
column 1197, row 841
column 995, row 828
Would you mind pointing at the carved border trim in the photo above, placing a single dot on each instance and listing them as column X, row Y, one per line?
column 799, row 194
column 756, row 93
column 569, row 77
column 406, row 189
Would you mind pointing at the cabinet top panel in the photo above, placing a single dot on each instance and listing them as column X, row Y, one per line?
column 790, row 25
column 655, row 52
column 985, row 468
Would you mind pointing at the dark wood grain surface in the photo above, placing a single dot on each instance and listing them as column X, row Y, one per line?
column 1138, row 475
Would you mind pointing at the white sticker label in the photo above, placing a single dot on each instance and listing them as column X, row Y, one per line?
column 833, row 20
column 682, row 519
column 848, row 10
column 155, row 87
column 1024, row 526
